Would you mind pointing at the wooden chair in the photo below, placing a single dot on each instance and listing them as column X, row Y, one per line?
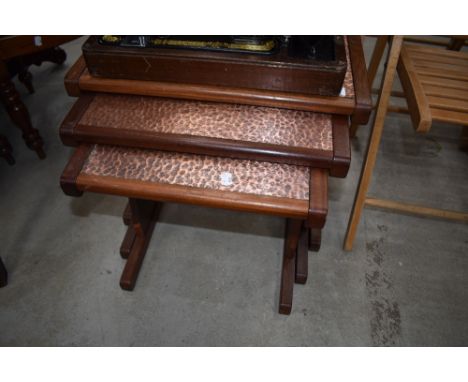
column 435, row 86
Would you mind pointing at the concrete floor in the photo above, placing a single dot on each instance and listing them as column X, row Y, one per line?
column 211, row 277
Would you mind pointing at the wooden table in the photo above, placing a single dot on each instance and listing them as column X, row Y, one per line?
column 149, row 177
column 17, row 53
column 239, row 149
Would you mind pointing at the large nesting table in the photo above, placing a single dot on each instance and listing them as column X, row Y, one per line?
column 231, row 148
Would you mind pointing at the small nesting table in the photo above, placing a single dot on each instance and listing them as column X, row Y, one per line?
column 149, row 177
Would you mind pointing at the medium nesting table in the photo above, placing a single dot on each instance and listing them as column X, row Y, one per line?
column 202, row 160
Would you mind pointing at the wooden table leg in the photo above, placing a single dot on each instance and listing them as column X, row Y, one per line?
column 293, row 231
column 144, row 215
column 127, row 215
column 315, row 239
column 5, row 150
column 127, row 242
column 3, row 274
column 302, row 258
column 130, row 235
column 18, row 112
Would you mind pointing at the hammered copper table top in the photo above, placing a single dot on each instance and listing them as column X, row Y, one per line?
column 214, row 120
column 199, row 171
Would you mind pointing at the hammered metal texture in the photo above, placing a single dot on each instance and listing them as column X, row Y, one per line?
column 200, row 171
column 208, row 119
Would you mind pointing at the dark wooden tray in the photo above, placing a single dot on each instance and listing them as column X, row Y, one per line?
column 276, row 72
column 220, row 129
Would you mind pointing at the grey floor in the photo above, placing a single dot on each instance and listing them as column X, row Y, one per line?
column 211, row 277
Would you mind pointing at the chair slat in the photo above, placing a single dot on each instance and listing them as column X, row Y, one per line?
column 449, row 74
column 445, row 92
column 448, row 104
column 443, row 68
column 436, row 51
column 418, row 105
column 450, row 116
column 443, row 82
column 422, row 56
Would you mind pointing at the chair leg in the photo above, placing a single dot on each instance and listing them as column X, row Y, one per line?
column 144, row 216
column 302, row 256
column 374, row 141
column 3, row 274
column 293, row 231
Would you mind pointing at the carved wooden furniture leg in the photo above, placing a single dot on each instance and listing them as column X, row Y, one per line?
column 293, row 231
column 302, row 258
column 130, row 235
column 3, row 274
column 5, row 150
column 144, row 216
column 18, row 112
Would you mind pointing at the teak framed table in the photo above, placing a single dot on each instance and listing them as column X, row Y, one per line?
column 232, row 148
column 149, row 177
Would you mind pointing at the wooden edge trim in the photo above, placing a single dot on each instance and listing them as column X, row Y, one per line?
column 318, row 198
column 418, row 105
column 363, row 98
column 68, row 126
column 341, row 147
column 73, row 76
column 204, row 145
column 323, row 104
column 68, row 179
column 286, row 207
